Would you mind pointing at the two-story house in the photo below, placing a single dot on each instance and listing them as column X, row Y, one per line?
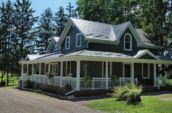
column 99, row 53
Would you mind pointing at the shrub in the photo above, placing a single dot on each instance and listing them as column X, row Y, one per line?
column 129, row 92
column 68, row 87
column 20, row 84
column 2, row 84
column 28, row 84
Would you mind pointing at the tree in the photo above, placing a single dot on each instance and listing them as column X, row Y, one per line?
column 46, row 31
column 113, row 11
column 24, row 22
column 60, row 21
column 6, row 37
column 71, row 11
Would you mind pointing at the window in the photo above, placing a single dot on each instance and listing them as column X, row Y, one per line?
column 67, row 43
column 56, row 47
column 78, row 39
column 128, row 42
column 145, row 71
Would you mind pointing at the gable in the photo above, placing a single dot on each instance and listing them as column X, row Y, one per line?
column 145, row 54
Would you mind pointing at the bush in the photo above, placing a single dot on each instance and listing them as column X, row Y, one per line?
column 28, row 84
column 129, row 92
column 68, row 87
column 2, row 84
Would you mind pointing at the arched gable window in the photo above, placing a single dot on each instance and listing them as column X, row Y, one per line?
column 128, row 42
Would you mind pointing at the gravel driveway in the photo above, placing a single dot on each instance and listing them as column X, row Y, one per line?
column 17, row 101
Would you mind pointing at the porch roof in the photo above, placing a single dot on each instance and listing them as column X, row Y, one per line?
column 97, row 55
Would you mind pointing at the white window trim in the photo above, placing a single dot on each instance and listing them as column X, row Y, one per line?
column 68, row 37
column 78, row 34
column 131, row 45
column 148, row 73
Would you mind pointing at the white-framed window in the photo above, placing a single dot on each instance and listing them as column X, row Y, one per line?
column 67, row 42
column 56, row 47
column 146, row 71
column 78, row 39
column 128, row 42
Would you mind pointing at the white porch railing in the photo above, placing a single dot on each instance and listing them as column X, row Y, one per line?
column 69, row 80
column 41, row 79
column 95, row 83
column 161, row 81
column 124, row 80
column 56, row 80
column 24, row 77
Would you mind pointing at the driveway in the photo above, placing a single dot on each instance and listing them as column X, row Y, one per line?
column 17, row 101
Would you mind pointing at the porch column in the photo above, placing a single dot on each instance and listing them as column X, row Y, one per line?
column 106, row 75
column 21, row 69
column 32, row 69
column 61, row 73
column 132, row 71
column 27, row 69
column 39, row 68
column 78, row 75
column 154, row 75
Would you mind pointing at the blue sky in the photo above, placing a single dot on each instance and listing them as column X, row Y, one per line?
column 40, row 5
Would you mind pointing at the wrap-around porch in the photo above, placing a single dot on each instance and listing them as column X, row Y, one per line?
column 83, row 73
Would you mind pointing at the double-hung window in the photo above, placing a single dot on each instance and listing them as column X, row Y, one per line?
column 67, row 43
column 78, row 39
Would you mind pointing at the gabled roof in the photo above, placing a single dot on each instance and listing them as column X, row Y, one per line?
column 141, row 53
column 106, row 33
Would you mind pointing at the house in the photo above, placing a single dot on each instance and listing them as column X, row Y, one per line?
column 98, row 53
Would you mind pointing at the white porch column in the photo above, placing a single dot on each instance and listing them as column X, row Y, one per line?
column 39, row 68
column 61, row 73
column 106, row 75
column 78, row 75
column 32, row 69
column 22, row 69
column 155, row 75
column 132, row 71
column 27, row 69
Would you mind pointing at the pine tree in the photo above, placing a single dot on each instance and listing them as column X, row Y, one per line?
column 46, row 31
column 24, row 22
column 60, row 21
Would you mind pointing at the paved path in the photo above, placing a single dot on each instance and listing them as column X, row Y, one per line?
column 17, row 101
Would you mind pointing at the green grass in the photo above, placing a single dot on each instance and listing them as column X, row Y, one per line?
column 13, row 81
column 170, row 81
column 150, row 104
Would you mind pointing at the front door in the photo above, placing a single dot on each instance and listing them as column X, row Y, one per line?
column 127, row 70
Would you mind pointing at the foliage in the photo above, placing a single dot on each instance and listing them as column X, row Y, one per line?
column 87, row 79
column 45, row 30
column 28, row 84
column 50, row 76
column 150, row 104
column 130, row 93
column 68, row 87
column 2, row 83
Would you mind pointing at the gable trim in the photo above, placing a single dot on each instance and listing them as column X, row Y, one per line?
column 144, row 52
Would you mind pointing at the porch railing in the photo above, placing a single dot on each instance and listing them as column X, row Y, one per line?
column 124, row 80
column 161, row 81
column 69, row 80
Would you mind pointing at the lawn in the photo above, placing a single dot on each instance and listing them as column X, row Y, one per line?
column 13, row 81
column 150, row 104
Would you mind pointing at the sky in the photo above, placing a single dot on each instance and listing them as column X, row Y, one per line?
column 40, row 5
